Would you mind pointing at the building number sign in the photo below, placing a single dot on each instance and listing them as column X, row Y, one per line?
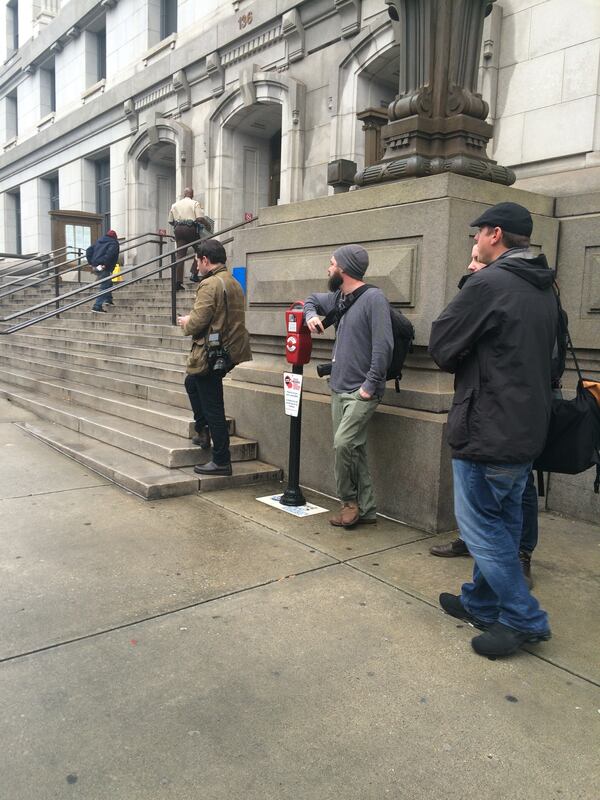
column 245, row 20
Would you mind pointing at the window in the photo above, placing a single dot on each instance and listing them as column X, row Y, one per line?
column 168, row 18
column 47, row 90
column 103, row 192
column 11, row 122
column 52, row 181
column 12, row 26
column 14, row 217
column 101, row 54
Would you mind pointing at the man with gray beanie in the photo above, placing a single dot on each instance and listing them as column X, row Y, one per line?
column 361, row 355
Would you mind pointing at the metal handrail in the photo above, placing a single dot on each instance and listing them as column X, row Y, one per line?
column 174, row 261
column 53, row 269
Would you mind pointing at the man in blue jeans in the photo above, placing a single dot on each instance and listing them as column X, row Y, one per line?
column 497, row 337
column 102, row 256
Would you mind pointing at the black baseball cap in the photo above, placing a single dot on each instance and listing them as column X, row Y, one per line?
column 511, row 217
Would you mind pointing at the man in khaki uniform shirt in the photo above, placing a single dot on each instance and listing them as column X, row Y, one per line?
column 185, row 216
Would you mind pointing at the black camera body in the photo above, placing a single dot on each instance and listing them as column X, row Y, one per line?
column 219, row 360
column 324, row 369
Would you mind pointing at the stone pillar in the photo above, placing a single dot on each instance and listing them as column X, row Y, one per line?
column 35, row 223
column 437, row 121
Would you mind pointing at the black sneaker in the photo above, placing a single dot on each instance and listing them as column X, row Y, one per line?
column 451, row 604
column 213, row 469
column 450, row 550
column 108, row 303
column 180, row 287
column 99, row 311
column 525, row 559
column 500, row 640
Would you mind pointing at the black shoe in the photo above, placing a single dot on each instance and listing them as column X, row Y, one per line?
column 180, row 287
column 452, row 605
column 450, row 550
column 194, row 278
column 202, row 439
column 500, row 640
column 213, row 469
column 525, row 559
column 99, row 311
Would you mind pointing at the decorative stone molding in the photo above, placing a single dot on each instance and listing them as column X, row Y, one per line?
column 182, row 88
column 56, row 47
column 165, row 44
column 46, row 121
column 73, row 33
column 251, row 45
column 340, row 174
column 292, row 31
column 349, row 11
column 10, row 144
column 247, row 87
column 153, row 96
column 29, row 69
column 216, row 74
column 131, row 114
column 93, row 91
column 108, row 3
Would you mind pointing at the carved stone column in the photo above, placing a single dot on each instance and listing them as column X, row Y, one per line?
column 437, row 121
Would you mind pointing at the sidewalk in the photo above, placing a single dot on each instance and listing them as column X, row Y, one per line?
column 213, row 648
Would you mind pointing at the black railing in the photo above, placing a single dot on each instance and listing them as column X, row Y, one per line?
column 56, row 271
column 173, row 263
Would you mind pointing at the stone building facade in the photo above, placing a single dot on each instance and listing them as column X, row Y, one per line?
column 114, row 106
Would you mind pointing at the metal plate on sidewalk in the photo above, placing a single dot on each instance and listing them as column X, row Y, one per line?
column 307, row 510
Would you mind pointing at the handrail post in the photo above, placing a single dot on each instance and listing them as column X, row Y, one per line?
column 56, row 284
column 161, row 245
column 79, row 257
column 174, row 288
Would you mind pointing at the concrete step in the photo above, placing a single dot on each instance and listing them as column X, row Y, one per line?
column 169, row 394
column 244, row 473
column 109, row 334
column 137, row 475
column 162, row 447
column 92, row 360
column 154, row 415
column 107, row 349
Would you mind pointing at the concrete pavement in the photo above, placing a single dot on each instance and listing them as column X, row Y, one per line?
column 212, row 647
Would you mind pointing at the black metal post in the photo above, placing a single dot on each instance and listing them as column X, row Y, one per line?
column 173, row 288
column 161, row 245
column 56, row 284
column 293, row 494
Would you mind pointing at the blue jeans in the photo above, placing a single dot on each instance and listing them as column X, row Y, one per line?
column 106, row 284
column 488, row 508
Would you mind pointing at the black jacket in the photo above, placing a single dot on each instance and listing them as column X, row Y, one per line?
column 497, row 336
column 105, row 250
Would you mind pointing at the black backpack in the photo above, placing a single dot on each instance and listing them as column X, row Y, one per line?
column 402, row 331
column 573, row 440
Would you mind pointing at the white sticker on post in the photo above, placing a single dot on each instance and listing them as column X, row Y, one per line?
column 292, row 393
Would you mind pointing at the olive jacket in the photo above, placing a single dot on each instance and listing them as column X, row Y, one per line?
column 210, row 315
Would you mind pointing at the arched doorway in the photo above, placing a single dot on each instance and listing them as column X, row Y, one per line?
column 158, row 169
column 256, row 147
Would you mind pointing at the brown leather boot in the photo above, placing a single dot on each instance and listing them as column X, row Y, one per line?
column 347, row 517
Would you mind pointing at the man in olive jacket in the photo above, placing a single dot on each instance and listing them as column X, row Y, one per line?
column 217, row 319
column 497, row 337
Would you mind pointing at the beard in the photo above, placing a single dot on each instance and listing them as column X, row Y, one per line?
column 335, row 282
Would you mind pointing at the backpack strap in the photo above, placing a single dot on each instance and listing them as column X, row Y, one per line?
column 341, row 306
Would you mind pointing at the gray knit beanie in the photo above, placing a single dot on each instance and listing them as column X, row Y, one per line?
column 353, row 259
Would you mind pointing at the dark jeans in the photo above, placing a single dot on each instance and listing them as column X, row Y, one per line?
column 106, row 284
column 206, row 398
column 529, row 503
column 184, row 235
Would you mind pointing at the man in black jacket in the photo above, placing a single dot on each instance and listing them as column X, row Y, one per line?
column 102, row 256
column 497, row 336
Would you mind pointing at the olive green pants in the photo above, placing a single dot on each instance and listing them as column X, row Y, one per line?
column 350, row 415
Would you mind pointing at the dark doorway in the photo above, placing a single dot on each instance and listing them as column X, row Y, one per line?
column 275, row 168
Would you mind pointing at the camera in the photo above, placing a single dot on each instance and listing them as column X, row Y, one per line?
column 324, row 369
column 219, row 360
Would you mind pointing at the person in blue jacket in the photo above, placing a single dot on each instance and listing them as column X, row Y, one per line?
column 102, row 256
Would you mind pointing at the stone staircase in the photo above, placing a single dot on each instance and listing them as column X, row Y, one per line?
column 107, row 390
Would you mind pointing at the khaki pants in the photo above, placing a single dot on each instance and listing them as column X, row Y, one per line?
column 350, row 415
